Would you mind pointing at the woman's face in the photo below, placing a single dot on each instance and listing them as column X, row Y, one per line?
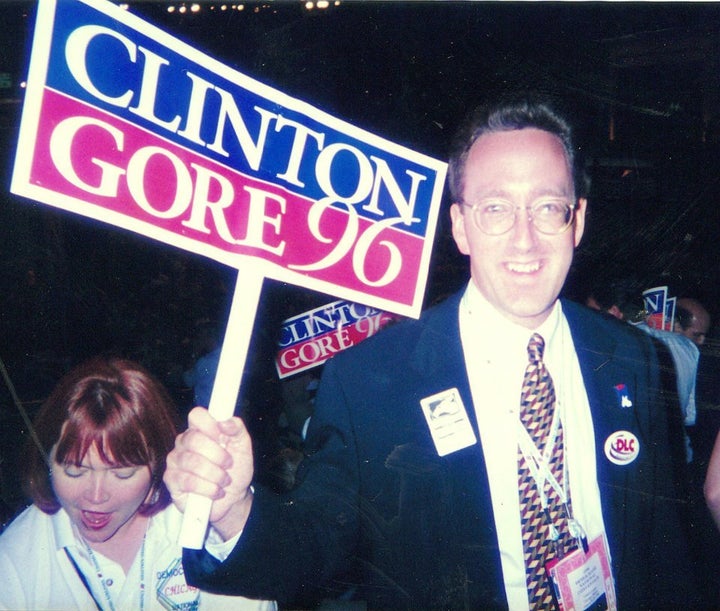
column 101, row 499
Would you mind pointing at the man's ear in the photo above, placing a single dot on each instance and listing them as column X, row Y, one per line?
column 579, row 225
column 458, row 228
column 616, row 312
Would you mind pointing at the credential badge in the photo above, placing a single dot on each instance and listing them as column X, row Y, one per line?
column 448, row 421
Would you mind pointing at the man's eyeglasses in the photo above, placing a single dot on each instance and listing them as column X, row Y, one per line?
column 549, row 216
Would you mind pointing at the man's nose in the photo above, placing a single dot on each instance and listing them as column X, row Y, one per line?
column 524, row 233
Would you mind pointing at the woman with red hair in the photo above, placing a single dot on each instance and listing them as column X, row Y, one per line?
column 101, row 532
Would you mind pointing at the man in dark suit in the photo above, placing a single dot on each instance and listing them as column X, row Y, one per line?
column 412, row 492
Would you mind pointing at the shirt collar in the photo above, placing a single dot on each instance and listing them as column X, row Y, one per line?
column 65, row 532
column 496, row 327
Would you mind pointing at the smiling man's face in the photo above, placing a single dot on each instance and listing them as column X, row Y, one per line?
column 522, row 271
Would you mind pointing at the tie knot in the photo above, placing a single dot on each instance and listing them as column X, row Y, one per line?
column 536, row 347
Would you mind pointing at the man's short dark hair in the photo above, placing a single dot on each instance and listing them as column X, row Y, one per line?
column 624, row 293
column 509, row 114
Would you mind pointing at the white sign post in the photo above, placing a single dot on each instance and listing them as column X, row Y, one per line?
column 233, row 355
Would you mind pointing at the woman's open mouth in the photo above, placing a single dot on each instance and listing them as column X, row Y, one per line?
column 95, row 520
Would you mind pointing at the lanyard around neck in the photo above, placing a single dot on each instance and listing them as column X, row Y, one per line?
column 106, row 592
column 539, row 467
column 538, row 463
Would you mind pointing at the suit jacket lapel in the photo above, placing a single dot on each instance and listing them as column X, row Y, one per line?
column 596, row 353
column 438, row 359
column 602, row 373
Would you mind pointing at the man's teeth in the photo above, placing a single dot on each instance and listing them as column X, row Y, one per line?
column 524, row 268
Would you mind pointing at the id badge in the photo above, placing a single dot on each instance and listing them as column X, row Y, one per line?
column 582, row 581
column 448, row 421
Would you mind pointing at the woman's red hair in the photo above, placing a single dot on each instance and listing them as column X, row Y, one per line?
column 114, row 404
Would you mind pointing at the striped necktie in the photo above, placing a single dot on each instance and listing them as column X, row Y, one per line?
column 544, row 529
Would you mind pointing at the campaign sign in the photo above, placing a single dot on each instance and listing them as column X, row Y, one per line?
column 311, row 338
column 126, row 124
column 670, row 313
column 660, row 308
column 654, row 302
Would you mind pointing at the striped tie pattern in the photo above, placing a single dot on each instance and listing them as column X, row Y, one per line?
column 536, row 413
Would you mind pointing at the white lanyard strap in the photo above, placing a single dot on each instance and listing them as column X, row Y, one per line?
column 539, row 467
column 538, row 463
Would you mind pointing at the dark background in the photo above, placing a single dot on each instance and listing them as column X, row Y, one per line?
column 642, row 81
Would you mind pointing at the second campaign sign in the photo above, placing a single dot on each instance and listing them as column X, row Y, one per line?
column 124, row 123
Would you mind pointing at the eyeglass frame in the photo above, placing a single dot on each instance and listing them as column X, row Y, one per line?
column 474, row 207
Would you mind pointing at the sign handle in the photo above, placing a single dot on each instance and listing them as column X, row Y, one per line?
column 233, row 354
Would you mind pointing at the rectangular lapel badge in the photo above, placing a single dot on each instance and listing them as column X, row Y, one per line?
column 448, row 421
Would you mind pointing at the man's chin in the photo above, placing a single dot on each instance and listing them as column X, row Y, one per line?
column 527, row 316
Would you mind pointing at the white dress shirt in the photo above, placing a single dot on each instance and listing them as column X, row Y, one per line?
column 496, row 357
column 685, row 355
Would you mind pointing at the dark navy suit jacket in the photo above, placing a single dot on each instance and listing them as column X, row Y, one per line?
column 380, row 517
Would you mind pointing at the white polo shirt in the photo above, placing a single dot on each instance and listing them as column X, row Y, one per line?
column 38, row 574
